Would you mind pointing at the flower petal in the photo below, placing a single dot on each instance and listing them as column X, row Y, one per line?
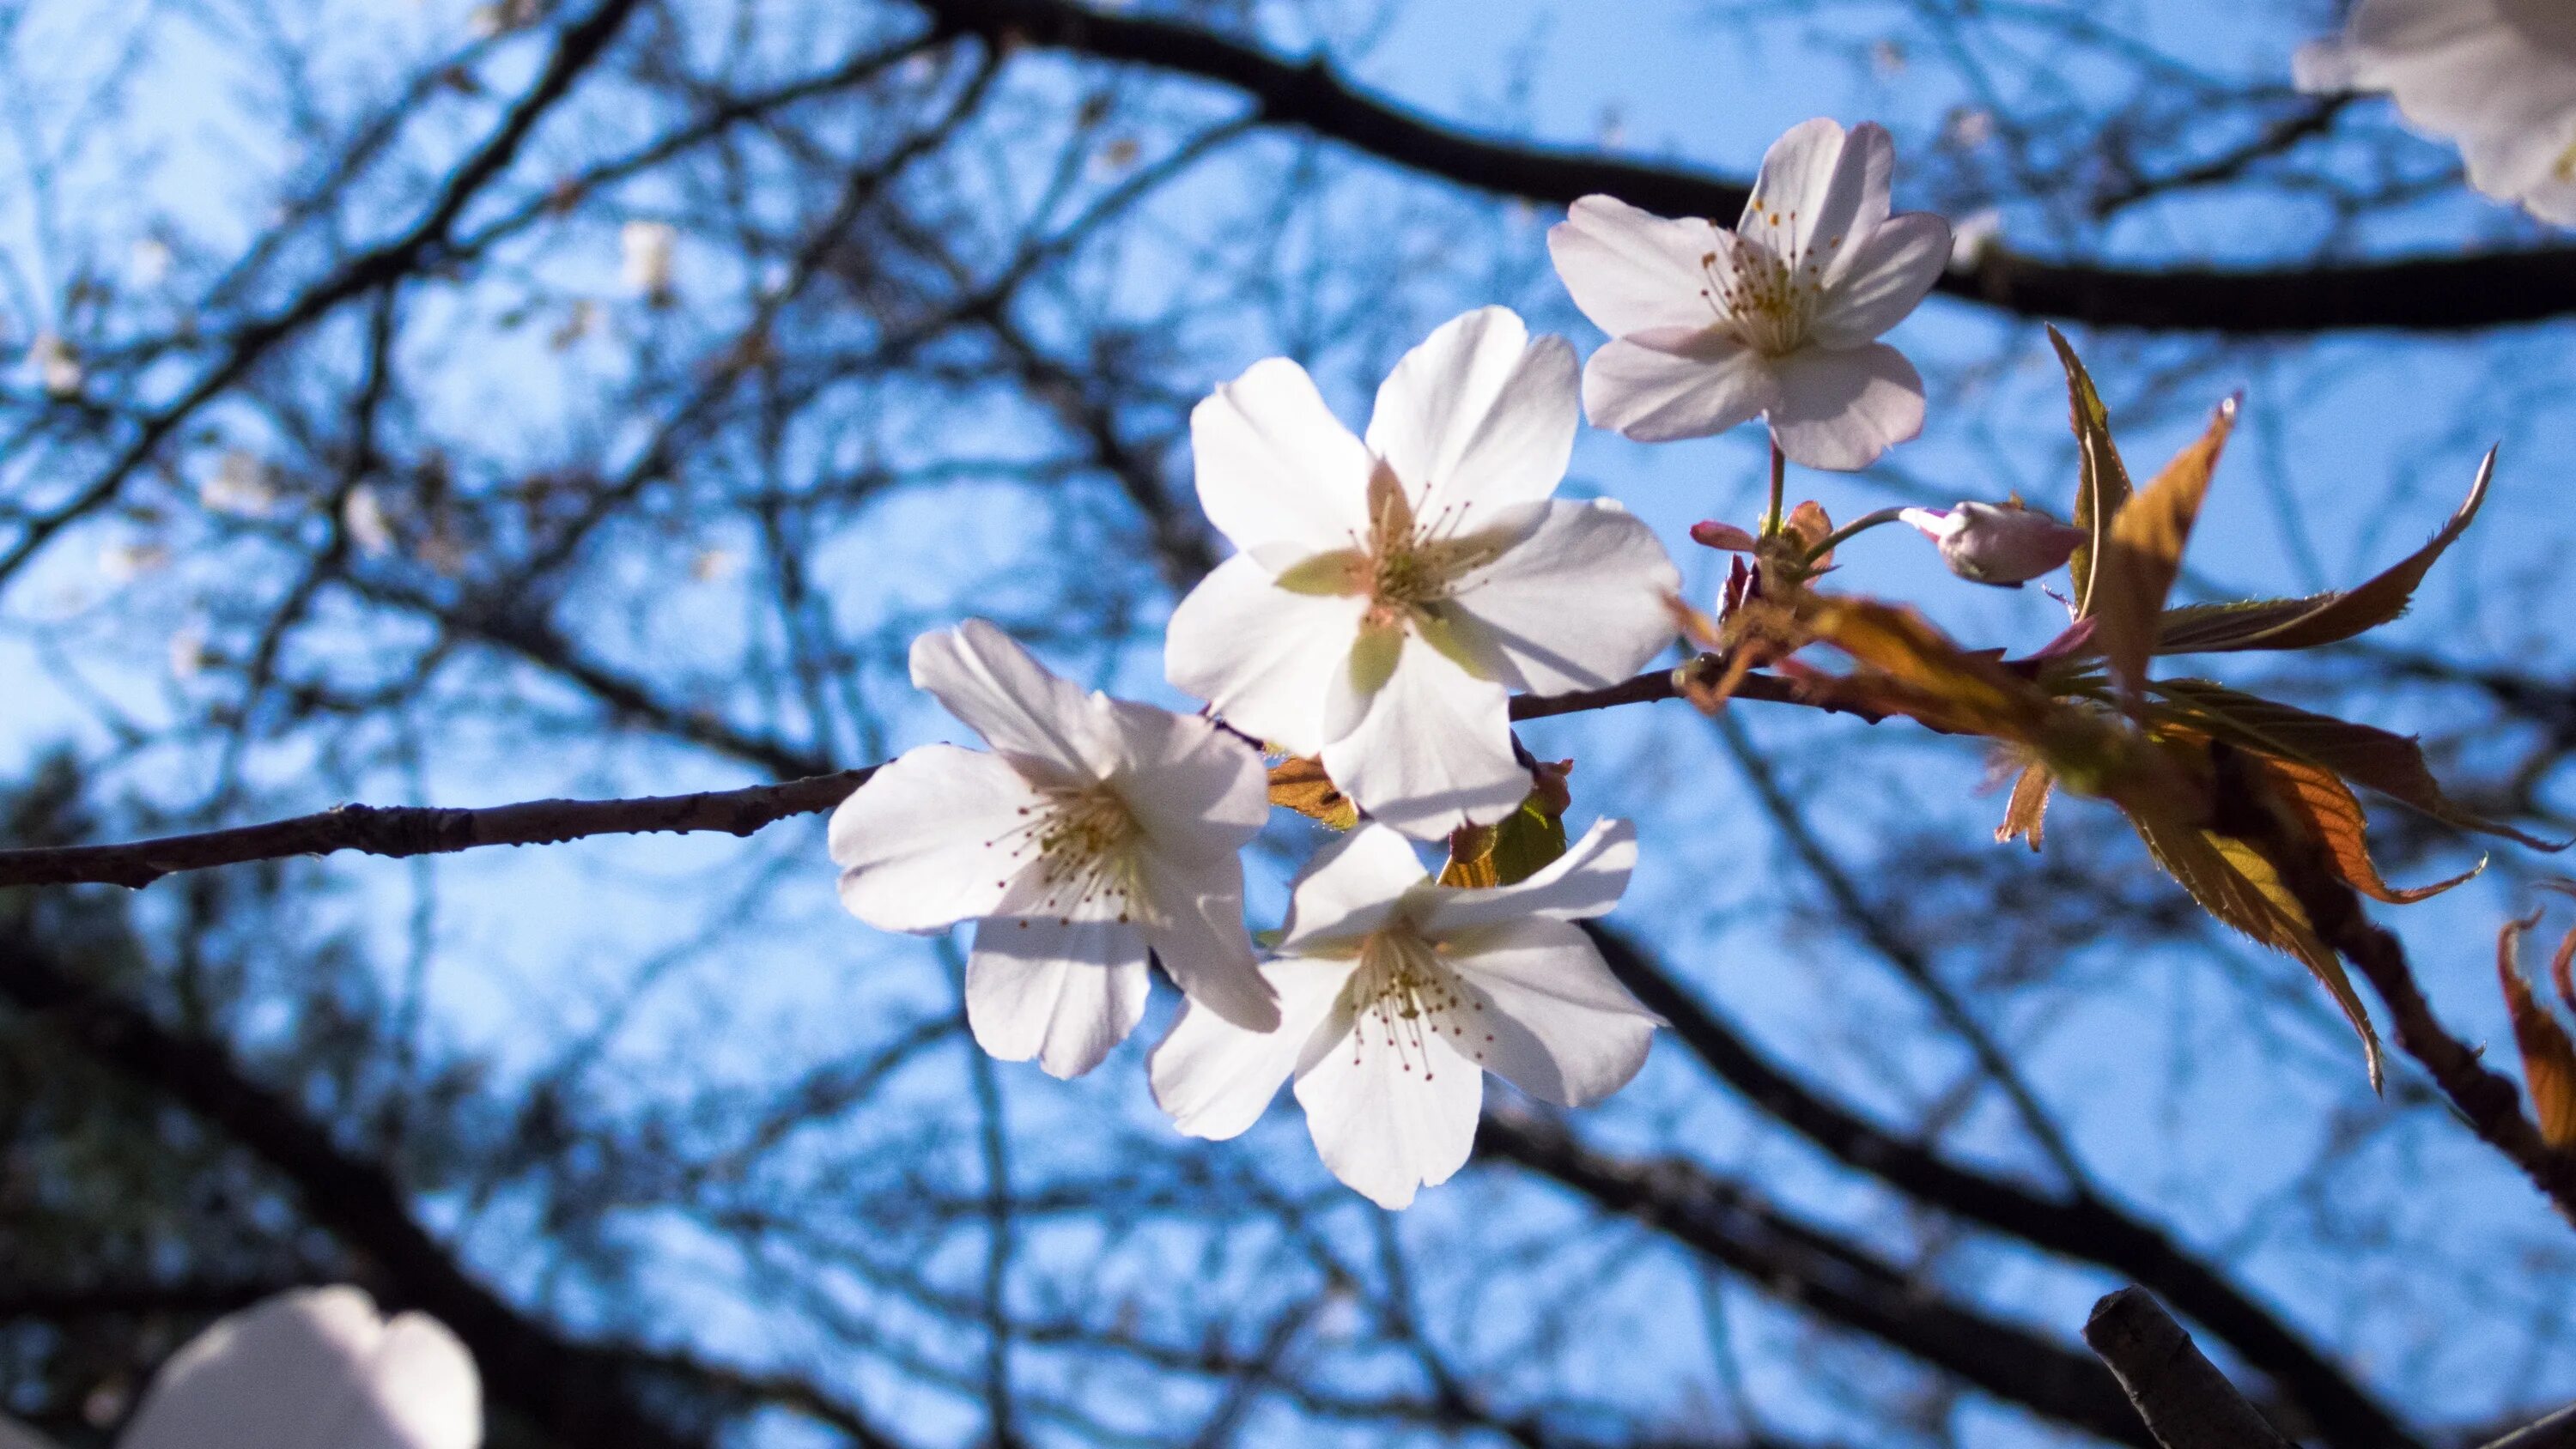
column 1349, row 889
column 1389, row 1117
column 1690, row 387
column 1840, row 410
column 1191, row 786
column 1581, row 602
column 1262, row 656
column 1562, row 1028
column 1478, row 417
column 1633, row 271
column 1275, row 466
column 1585, row 881
column 1820, row 190
column 1065, row 992
column 1199, row 936
column 315, row 1368
column 999, row 690
column 1431, row 748
column 1215, row 1078
column 925, row 842
column 1875, row 284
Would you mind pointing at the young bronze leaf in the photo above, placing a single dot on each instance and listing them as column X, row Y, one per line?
column 2144, row 552
column 1302, row 786
column 2027, row 811
column 2233, row 881
column 2318, row 618
column 1910, row 667
column 1509, row 851
column 2391, row 764
column 2548, row 1057
column 2102, row 481
column 2333, row 817
column 1806, row 526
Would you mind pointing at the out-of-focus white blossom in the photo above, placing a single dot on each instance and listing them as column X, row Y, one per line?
column 363, row 514
column 239, row 485
column 57, row 367
column 647, row 247
column 2495, row 77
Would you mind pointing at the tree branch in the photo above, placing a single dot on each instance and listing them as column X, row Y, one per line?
column 399, row 831
column 2428, row 293
column 2186, row 1401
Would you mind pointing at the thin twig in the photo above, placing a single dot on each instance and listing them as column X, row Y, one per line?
column 2186, row 1401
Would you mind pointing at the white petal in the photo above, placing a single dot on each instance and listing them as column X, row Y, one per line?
column 2325, row 67
column 14, row 1435
column 1691, row 387
column 1191, row 786
column 1585, row 881
column 1478, row 417
column 1875, row 284
column 1840, row 410
column 1820, row 190
column 1633, row 271
column 1432, row 748
column 928, row 840
column 1389, row 1117
column 1215, row 1078
column 1198, row 934
column 998, row 689
column 1275, row 466
column 1561, row 1027
column 1063, row 992
column 1350, row 888
column 314, row 1369
column 1581, row 602
column 1263, row 657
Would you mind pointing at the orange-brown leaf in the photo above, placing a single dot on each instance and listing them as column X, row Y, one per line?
column 2233, row 880
column 2333, row 817
column 1302, row 786
column 2548, row 1058
column 1808, row 526
column 2144, row 552
column 2027, row 811
column 2102, row 480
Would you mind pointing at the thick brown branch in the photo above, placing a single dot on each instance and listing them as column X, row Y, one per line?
column 2186, row 1401
column 427, row 830
column 582, row 1396
column 2479, row 289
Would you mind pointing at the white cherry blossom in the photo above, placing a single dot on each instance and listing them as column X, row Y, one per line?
column 1095, row 831
column 1398, row 994
column 1779, row 317
column 314, row 1368
column 2496, row 77
column 1390, row 594
column 2004, row 545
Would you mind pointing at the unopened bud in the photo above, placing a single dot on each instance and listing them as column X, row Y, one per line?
column 2005, row 546
column 1710, row 533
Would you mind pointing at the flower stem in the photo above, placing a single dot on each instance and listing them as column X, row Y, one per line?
column 1772, row 515
column 1842, row 535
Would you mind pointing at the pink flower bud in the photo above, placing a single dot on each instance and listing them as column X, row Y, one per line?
column 2004, row 546
column 1713, row 534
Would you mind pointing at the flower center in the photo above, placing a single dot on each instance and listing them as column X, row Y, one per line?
column 1411, row 561
column 1765, row 301
column 1081, row 844
column 1403, row 995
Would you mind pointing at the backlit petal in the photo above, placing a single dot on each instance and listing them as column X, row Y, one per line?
column 1389, row 1117
column 1063, row 992
column 1820, row 190
column 931, row 839
column 1876, row 284
column 1840, row 410
column 1693, row 388
column 1634, row 271
column 1585, row 881
column 1215, row 1078
column 1350, row 888
column 1431, row 749
column 1263, row 656
column 1478, row 417
column 1580, row 602
column 1190, row 785
column 1275, row 466
column 1197, row 932
column 999, row 690
column 1562, row 1028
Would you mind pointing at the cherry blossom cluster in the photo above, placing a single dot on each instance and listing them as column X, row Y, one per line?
column 1389, row 593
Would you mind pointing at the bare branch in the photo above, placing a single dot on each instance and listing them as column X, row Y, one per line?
column 2186, row 1401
